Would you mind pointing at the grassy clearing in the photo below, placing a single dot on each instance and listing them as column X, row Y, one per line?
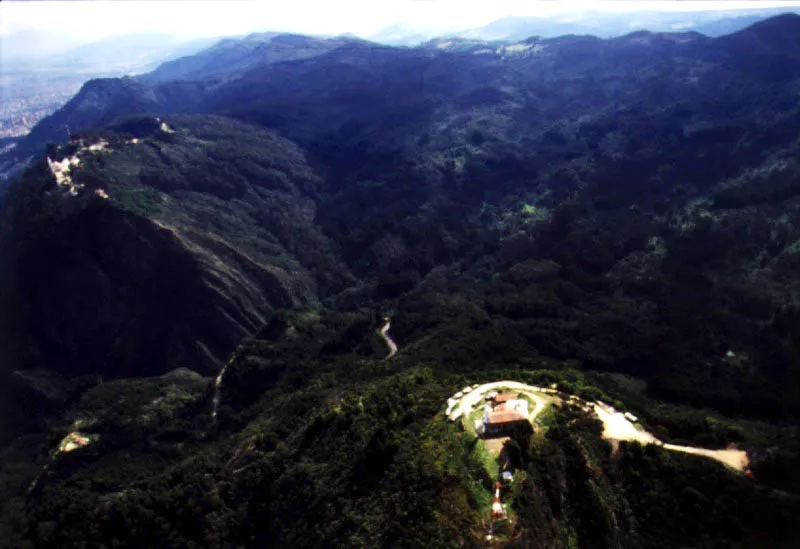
column 547, row 417
column 540, row 398
column 482, row 455
column 468, row 421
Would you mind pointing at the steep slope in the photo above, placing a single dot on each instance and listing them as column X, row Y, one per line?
column 466, row 123
column 159, row 251
column 775, row 35
column 102, row 100
column 175, row 86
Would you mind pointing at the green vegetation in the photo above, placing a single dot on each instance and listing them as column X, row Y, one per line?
column 546, row 418
column 468, row 422
column 144, row 201
column 319, row 448
column 584, row 217
column 482, row 455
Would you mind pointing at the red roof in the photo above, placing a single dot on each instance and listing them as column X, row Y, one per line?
column 505, row 397
column 504, row 417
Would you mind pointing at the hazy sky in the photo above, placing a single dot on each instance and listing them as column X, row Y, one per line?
column 90, row 20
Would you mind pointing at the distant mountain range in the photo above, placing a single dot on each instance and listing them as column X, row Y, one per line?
column 36, row 49
column 230, row 57
column 603, row 25
column 39, row 72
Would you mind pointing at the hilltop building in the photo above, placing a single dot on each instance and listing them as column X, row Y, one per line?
column 502, row 414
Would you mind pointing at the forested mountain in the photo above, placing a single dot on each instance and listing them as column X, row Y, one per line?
column 230, row 58
column 619, row 217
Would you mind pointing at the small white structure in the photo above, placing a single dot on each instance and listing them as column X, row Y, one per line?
column 99, row 146
column 458, row 395
column 73, row 441
column 451, row 404
column 61, row 172
column 466, row 389
column 630, row 417
column 497, row 509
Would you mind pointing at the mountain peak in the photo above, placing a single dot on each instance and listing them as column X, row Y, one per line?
column 786, row 22
column 781, row 34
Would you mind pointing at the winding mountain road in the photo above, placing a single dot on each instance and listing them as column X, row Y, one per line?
column 389, row 341
column 217, row 392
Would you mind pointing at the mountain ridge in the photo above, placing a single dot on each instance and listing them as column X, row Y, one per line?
column 777, row 34
column 369, row 121
column 31, row 144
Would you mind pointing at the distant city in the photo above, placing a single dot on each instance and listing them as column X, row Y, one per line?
column 22, row 107
column 27, row 96
column 32, row 88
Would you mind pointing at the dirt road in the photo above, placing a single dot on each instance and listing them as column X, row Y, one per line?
column 736, row 459
column 617, row 427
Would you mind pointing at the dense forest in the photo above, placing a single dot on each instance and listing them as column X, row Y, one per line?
column 320, row 442
column 617, row 219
